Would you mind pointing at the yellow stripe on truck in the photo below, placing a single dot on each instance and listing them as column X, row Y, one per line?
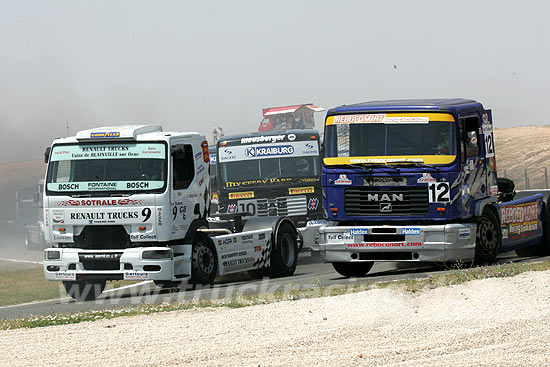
column 427, row 159
column 389, row 118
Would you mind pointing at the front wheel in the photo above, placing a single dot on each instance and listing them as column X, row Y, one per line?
column 359, row 269
column 284, row 254
column 204, row 262
column 487, row 238
column 28, row 243
column 83, row 290
column 166, row 284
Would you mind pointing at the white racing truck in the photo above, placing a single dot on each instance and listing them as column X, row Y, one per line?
column 131, row 203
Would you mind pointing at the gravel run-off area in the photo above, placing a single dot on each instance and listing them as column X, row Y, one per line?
column 491, row 322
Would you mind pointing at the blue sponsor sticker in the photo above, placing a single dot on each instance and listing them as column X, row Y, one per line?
column 269, row 151
column 464, row 233
column 358, row 231
column 410, row 231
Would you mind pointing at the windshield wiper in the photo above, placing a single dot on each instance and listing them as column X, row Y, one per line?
column 80, row 195
column 369, row 166
column 417, row 164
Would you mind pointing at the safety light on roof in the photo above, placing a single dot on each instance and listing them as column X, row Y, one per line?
column 205, row 154
column 223, row 144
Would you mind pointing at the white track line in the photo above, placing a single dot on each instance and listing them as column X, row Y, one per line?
column 128, row 286
column 22, row 261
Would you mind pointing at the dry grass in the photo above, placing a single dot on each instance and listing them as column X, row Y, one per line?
column 21, row 283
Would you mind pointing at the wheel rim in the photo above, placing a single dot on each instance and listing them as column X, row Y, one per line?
column 488, row 237
column 287, row 249
column 204, row 259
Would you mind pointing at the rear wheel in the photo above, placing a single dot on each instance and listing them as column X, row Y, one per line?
column 259, row 273
column 204, row 262
column 359, row 269
column 487, row 238
column 83, row 290
column 284, row 253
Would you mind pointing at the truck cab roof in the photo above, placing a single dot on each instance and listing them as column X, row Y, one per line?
column 452, row 105
column 124, row 133
column 269, row 133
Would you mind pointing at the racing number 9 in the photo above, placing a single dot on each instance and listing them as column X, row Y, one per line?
column 146, row 212
column 439, row 192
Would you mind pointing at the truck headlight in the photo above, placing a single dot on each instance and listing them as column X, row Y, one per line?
column 52, row 255
column 157, row 254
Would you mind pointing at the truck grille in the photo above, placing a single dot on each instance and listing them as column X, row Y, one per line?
column 366, row 201
column 95, row 261
column 103, row 238
column 282, row 206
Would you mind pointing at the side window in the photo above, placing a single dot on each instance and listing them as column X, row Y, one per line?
column 183, row 168
column 469, row 127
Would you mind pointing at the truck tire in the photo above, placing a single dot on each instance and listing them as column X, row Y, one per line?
column 488, row 238
column 28, row 243
column 284, row 255
column 543, row 247
column 204, row 261
column 259, row 273
column 359, row 269
column 83, row 290
column 166, row 284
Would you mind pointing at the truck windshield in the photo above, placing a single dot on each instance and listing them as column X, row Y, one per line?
column 107, row 168
column 431, row 142
column 270, row 169
column 268, row 164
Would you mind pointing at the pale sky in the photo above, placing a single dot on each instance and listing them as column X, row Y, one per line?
column 191, row 66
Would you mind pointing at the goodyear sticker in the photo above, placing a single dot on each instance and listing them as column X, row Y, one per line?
column 301, row 190
column 105, row 134
column 241, row 195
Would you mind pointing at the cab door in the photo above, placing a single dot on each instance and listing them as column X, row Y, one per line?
column 473, row 184
column 182, row 175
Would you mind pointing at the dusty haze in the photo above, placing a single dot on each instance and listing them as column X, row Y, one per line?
column 197, row 65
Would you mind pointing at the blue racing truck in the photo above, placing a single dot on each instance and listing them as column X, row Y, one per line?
column 416, row 180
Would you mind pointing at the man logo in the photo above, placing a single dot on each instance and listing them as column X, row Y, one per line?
column 250, row 152
column 385, row 208
column 385, row 197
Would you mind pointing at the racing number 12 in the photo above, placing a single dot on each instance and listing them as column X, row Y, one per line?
column 439, row 192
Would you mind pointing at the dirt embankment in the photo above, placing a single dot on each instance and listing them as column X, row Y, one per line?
column 492, row 322
column 523, row 148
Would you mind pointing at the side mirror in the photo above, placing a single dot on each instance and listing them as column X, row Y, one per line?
column 47, row 154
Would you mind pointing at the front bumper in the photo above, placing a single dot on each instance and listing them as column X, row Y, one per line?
column 125, row 264
column 448, row 242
